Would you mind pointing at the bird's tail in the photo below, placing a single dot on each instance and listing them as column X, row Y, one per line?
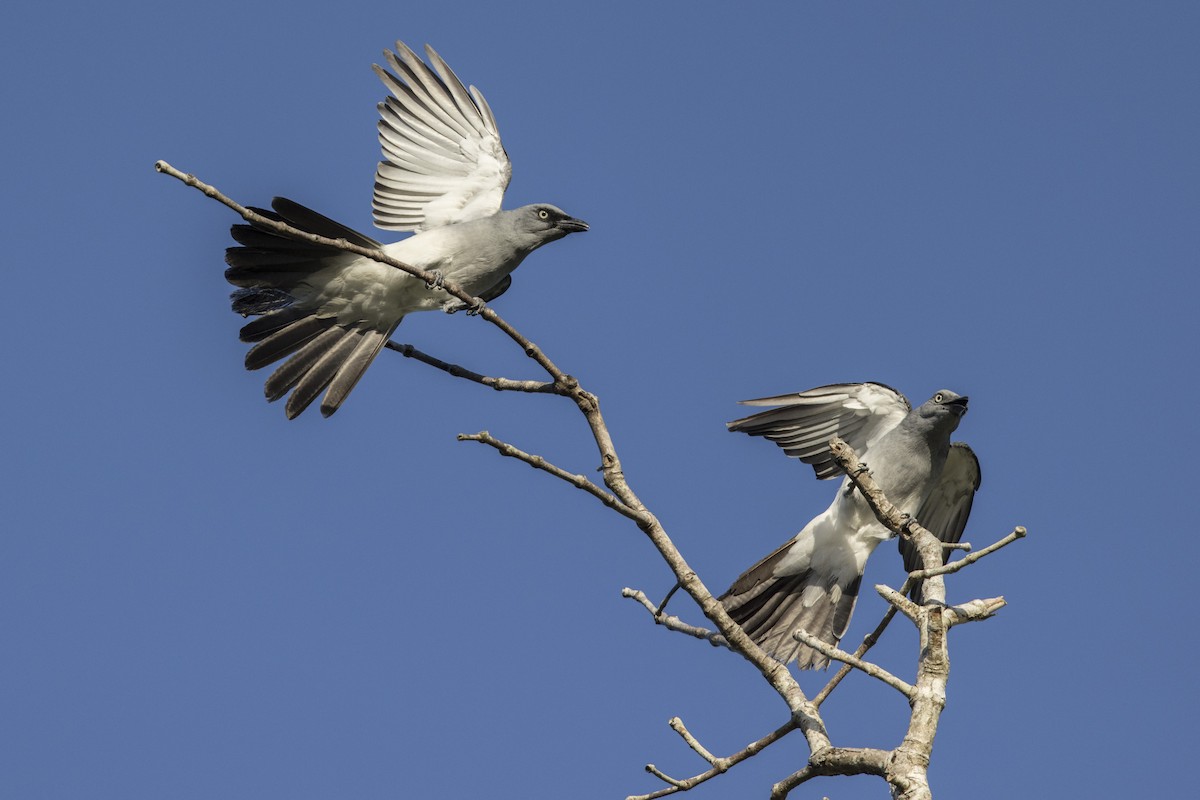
column 770, row 607
column 322, row 353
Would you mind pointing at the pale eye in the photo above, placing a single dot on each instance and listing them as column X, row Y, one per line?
column 937, row 398
column 543, row 214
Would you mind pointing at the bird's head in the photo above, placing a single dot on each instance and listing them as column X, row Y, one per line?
column 944, row 405
column 548, row 223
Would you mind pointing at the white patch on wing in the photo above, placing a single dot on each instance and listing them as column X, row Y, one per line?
column 813, row 594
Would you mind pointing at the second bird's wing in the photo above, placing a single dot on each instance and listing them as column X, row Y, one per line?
column 803, row 423
column 945, row 511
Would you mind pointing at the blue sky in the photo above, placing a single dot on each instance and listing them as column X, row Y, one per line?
column 201, row 599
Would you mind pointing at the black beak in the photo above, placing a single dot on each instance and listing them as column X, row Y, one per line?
column 960, row 404
column 572, row 225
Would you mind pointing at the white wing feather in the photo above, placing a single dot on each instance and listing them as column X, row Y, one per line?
column 803, row 423
column 443, row 158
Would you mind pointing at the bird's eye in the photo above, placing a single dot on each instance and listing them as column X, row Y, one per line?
column 543, row 214
column 937, row 398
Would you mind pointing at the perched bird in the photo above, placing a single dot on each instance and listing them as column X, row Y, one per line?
column 443, row 175
column 812, row 581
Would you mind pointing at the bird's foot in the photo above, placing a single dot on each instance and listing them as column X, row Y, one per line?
column 454, row 306
column 438, row 282
column 472, row 309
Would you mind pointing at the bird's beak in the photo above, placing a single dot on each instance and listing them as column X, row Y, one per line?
column 572, row 225
column 960, row 405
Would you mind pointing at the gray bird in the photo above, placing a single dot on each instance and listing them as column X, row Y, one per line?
column 443, row 176
column 812, row 581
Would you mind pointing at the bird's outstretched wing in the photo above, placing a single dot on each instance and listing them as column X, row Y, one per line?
column 804, row 422
column 443, row 160
column 944, row 512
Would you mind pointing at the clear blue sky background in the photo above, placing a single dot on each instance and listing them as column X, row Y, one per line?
column 200, row 599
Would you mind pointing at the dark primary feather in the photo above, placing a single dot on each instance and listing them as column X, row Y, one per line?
column 306, row 219
column 947, row 507
column 259, row 329
column 352, row 368
column 318, row 376
column 286, row 340
column 497, row 290
column 291, row 371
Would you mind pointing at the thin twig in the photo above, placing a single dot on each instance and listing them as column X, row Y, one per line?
column 899, row 602
column 664, row 777
column 874, row 670
column 869, row 641
column 677, row 725
column 537, row 462
column 785, row 786
column 673, row 623
column 499, row 384
column 1018, row 532
column 663, row 605
column 723, row 764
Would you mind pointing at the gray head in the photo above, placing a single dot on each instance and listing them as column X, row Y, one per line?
column 945, row 408
column 548, row 223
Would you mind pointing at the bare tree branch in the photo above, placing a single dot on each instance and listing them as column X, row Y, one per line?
column 537, row 462
column 954, row 566
column 835, row 761
column 874, row 670
column 673, row 623
column 868, row 642
column 662, row 776
column 785, row 786
column 973, row 611
column 908, row 764
column 722, row 765
column 677, row 725
column 499, row 384
column 899, row 602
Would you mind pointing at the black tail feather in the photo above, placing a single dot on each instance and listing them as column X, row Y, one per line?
column 268, row 266
column 259, row 329
column 352, row 370
column 286, row 341
column 318, row 376
column 291, row 371
column 771, row 608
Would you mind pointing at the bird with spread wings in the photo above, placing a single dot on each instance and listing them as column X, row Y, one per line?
column 812, row 580
column 443, row 176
